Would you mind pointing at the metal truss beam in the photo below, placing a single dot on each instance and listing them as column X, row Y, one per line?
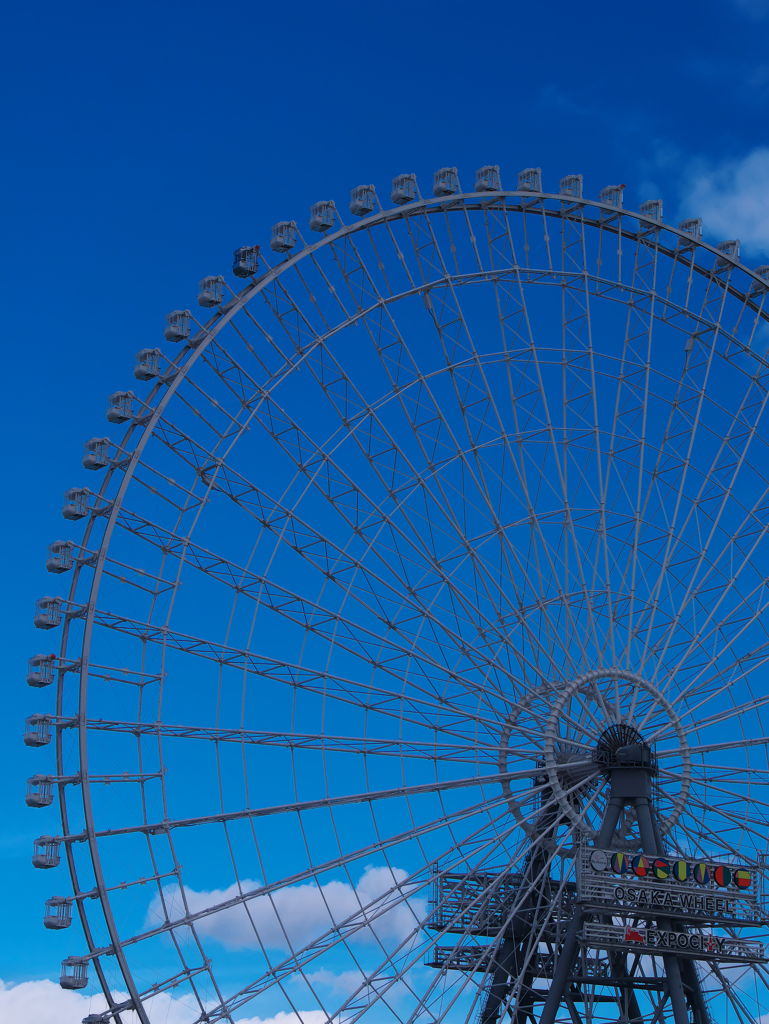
column 470, row 752
column 324, row 683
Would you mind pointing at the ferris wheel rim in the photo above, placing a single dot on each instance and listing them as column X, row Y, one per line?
column 213, row 327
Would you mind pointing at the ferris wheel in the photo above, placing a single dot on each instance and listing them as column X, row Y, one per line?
column 412, row 647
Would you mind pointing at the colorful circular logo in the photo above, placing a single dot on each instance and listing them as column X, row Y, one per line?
column 722, row 875
column 599, row 861
column 661, row 868
column 701, row 874
column 641, row 866
column 742, row 878
column 682, row 871
column 619, row 863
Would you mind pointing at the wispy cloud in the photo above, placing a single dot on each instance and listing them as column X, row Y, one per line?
column 755, row 9
column 295, row 915
column 732, row 198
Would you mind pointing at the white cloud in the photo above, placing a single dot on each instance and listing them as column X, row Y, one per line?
column 732, row 198
column 297, row 914
column 344, row 983
column 281, row 1017
column 44, row 1002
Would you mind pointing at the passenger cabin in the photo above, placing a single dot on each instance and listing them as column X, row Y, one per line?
column 95, row 453
column 58, row 913
column 730, row 253
column 692, row 229
column 322, row 215
column 571, row 186
column 612, row 195
column 45, row 852
column 120, row 406
column 39, row 791
column 60, row 556
column 40, row 669
column 530, row 180
column 147, row 363
column 37, row 730
column 487, row 179
column 404, row 189
column 47, row 613
column 177, row 325
column 283, row 236
column 74, row 972
column 75, row 503
column 362, row 200
column 210, row 292
column 652, row 208
column 763, row 272
column 446, row 181
column 245, row 261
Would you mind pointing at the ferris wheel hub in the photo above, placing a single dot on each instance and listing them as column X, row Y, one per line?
column 576, row 763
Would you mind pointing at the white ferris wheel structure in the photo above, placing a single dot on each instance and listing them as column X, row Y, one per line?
column 413, row 630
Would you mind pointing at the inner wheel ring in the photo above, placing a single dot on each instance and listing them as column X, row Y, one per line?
column 561, row 696
column 589, row 679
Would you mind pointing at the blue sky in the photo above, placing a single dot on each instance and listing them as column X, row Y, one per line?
column 143, row 143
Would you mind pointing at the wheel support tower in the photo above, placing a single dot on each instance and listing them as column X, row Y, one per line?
column 630, row 782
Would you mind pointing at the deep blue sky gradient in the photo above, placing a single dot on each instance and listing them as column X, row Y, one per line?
column 144, row 142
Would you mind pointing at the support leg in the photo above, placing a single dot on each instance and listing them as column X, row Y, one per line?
column 691, row 979
column 498, row 989
column 609, row 824
column 562, row 970
column 649, row 838
column 619, row 969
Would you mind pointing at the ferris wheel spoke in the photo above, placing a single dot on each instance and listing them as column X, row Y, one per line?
column 744, row 823
column 432, row 408
column 552, row 448
column 698, row 839
column 386, row 440
column 702, row 767
column 580, row 416
column 314, row 872
column 630, row 420
column 708, row 748
column 745, row 432
column 716, row 631
column 327, row 684
column 332, row 480
column 297, row 807
column 190, row 919
column 517, row 906
column 755, row 659
column 324, row 462
column 429, row 750
column 725, row 490
column 743, row 1014
column 715, row 719
column 357, row 922
column 715, row 788
column 322, row 621
column 672, row 454
column 331, row 560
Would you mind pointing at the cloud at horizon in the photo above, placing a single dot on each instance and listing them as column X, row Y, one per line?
column 44, row 1002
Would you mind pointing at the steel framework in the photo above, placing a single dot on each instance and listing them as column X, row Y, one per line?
column 432, row 564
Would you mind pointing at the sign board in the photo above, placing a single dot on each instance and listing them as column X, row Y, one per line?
column 687, row 890
column 656, row 941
